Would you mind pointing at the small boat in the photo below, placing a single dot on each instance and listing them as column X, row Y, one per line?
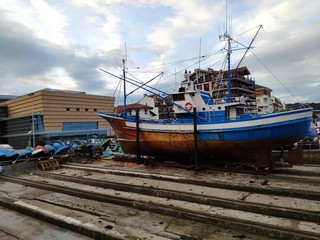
column 25, row 154
column 79, row 150
column 49, row 150
column 37, row 154
column 61, row 150
column 93, row 150
column 7, row 155
column 216, row 130
column 104, row 143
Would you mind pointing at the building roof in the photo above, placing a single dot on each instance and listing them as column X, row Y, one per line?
column 133, row 106
column 241, row 70
column 4, row 98
column 262, row 87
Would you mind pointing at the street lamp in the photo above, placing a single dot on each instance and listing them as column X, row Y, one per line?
column 32, row 115
column 29, row 141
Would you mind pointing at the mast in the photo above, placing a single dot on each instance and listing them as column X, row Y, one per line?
column 226, row 37
column 124, row 88
column 229, row 73
column 124, row 60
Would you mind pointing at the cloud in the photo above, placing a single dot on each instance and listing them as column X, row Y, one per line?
column 42, row 64
column 65, row 43
column 43, row 20
column 110, row 30
column 189, row 18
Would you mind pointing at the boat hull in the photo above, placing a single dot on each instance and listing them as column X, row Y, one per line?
column 245, row 142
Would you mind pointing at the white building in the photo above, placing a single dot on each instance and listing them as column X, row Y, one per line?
column 149, row 101
column 161, row 108
column 267, row 103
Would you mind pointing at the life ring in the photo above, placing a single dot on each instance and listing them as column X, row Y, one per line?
column 188, row 106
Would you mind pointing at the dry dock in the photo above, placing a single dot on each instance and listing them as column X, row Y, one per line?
column 117, row 200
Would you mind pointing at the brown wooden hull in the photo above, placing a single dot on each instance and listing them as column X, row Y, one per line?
column 245, row 141
column 180, row 146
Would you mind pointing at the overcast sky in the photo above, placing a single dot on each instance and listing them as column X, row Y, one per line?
column 62, row 44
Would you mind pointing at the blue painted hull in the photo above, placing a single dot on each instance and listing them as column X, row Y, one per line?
column 292, row 129
column 245, row 141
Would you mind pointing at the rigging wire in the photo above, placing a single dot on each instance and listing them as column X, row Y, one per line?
column 154, row 67
column 114, row 93
column 135, row 78
column 245, row 32
column 200, row 58
column 158, row 80
column 275, row 76
column 119, row 94
column 206, row 58
column 248, row 49
column 223, row 66
column 168, row 64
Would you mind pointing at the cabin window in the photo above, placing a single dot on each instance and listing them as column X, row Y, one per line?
column 178, row 97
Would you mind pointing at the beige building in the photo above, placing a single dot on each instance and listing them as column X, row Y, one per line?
column 51, row 114
column 266, row 103
column 216, row 82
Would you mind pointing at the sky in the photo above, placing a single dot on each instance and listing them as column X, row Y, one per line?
column 64, row 44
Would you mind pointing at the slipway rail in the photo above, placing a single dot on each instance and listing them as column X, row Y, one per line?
column 256, row 218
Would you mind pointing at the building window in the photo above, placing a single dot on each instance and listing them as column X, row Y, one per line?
column 94, row 109
column 22, row 125
column 72, row 126
column 78, row 109
column 68, row 109
column 86, row 109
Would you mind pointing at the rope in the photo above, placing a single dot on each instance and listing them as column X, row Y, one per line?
column 276, row 77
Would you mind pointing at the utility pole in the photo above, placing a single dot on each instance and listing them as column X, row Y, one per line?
column 32, row 121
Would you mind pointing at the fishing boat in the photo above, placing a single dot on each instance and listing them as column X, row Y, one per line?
column 217, row 130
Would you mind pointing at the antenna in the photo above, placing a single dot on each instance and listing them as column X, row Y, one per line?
column 226, row 37
column 175, row 78
column 199, row 53
column 125, row 51
column 226, row 16
column 231, row 32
